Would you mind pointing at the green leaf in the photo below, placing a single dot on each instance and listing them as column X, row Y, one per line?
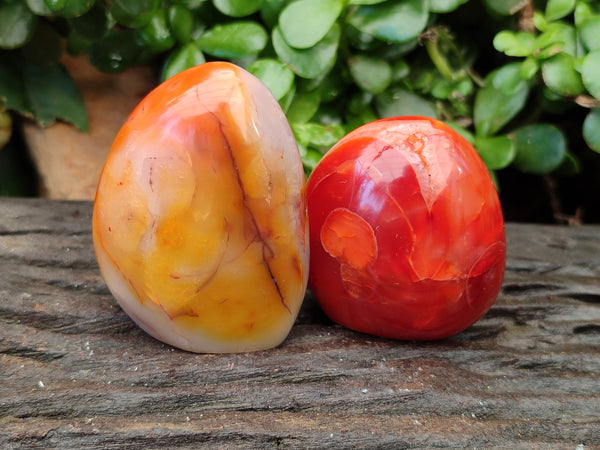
column 238, row 8
column 303, row 23
column 461, row 89
column 392, row 21
column 365, row 2
column 303, row 107
column 589, row 31
column 591, row 129
column 514, row 44
column 400, row 70
column 529, row 68
column 234, row 40
column 557, row 9
column 69, row 8
column 505, row 7
column 370, row 74
column 560, row 76
column 400, row 102
column 181, row 23
column 310, row 158
column 54, row 95
column 115, row 51
column 495, row 107
column 441, row 88
column 541, row 148
column 286, row 100
column 93, row 24
column 17, row 24
column 508, row 78
column 558, row 37
column 274, row 74
column 270, row 10
column 496, row 152
column 38, row 7
column 589, row 73
column 41, row 93
column 45, row 47
column 539, row 21
column 186, row 56
column 193, row 4
column 135, row 7
column 445, row 6
column 319, row 136
column 444, row 89
column 156, row 35
column 309, row 63
column 125, row 18
column 583, row 11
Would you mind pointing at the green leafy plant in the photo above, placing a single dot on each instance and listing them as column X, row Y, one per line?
column 556, row 61
column 498, row 71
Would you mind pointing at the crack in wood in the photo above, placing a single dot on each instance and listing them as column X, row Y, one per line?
column 585, row 297
column 52, row 260
column 525, row 266
column 70, row 324
column 591, row 328
column 31, row 353
column 528, row 287
column 43, row 232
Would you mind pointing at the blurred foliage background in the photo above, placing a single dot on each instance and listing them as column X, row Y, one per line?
column 520, row 79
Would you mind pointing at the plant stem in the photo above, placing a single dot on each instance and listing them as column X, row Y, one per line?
column 436, row 56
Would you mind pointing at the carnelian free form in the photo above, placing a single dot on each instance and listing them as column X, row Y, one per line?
column 199, row 221
column 406, row 231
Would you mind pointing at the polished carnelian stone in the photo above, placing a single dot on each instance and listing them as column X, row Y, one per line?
column 406, row 231
column 199, row 224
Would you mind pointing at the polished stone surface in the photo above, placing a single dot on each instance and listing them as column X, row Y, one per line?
column 199, row 221
column 406, row 231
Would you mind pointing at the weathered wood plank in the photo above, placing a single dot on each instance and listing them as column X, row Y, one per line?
column 75, row 372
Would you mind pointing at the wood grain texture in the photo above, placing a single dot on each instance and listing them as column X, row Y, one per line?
column 75, row 372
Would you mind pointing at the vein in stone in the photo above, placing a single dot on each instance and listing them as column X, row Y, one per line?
column 267, row 252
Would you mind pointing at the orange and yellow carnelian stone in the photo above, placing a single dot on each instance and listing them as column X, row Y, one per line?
column 199, row 223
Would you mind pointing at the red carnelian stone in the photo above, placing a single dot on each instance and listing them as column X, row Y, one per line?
column 406, row 231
